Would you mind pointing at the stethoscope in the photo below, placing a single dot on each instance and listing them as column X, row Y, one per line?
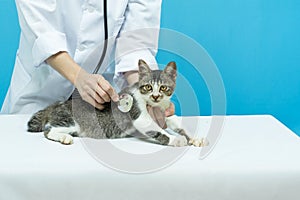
column 126, row 100
column 104, row 49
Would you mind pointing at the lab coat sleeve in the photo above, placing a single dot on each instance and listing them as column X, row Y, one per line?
column 39, row 21
column 138, row 37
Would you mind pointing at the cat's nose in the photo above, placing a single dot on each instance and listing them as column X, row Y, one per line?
column 155, row 97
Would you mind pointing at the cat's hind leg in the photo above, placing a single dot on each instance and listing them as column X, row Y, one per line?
column 35, row 124
column 61, row 126
column 64, row 135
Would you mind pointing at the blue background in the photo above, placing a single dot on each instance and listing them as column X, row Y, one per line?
column 254, row 43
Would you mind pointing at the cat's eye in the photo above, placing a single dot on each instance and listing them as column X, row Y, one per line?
column 148, row 87
column 163, row 88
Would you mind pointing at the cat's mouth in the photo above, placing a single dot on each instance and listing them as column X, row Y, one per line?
column 155, row 99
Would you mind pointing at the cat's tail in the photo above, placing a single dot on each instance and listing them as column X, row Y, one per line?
column 35, row 124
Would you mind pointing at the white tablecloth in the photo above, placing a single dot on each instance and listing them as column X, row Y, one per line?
column 256, row 157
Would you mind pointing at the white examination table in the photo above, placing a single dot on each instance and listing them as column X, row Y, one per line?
column 255, row 158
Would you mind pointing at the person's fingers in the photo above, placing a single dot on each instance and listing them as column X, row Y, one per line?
column 108, row 89
column 102, row 94
column 99, row 106
column 92, row 101
column 157, row 115
column 95, row 95
column 170, row 111
column 94, row 89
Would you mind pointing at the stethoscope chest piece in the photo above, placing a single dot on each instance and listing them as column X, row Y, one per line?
column 125, row 103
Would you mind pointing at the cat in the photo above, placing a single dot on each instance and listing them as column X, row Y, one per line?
column 62, row 121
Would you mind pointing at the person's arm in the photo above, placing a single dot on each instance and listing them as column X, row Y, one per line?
column 65, row 65
column 138, row 37
column 131, row 77
column 38, row 21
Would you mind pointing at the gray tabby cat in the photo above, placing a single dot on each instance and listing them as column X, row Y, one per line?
column 63, row 120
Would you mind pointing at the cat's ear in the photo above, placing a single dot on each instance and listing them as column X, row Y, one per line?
column 143, row 67
column 171, row 69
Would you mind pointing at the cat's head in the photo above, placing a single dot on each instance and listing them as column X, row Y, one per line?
column 157, row 86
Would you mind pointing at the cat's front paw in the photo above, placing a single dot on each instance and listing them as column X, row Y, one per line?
column 178, row 141
column 199, row 142
column 66, row 139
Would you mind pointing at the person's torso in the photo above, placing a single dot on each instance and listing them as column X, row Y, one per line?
column 82, row 23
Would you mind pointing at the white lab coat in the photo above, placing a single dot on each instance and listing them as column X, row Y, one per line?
column 76, row 26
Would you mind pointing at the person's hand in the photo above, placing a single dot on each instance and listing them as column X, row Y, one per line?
column 94, row 89
column 159, row 116
column 170, row 111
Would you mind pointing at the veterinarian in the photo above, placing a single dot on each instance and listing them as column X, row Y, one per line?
column 56, row 39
